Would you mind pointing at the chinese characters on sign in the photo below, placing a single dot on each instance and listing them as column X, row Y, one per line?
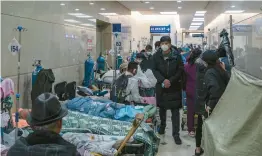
column 160, row 29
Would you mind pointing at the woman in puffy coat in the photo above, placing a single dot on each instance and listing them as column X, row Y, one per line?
column 190, row 70
column 212, row 81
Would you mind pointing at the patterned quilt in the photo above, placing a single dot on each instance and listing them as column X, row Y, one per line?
column 105, row 126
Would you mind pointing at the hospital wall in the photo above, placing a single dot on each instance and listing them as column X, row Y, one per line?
column 61, row 46
column 141, row 27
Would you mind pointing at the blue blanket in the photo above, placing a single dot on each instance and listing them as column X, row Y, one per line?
column 104, row 108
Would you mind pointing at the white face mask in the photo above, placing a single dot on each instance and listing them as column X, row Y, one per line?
column 164, row 47
column 148, row 53
column 138, row 60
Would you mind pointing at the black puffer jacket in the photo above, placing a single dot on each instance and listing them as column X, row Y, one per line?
column 171, row 69
column 200, row 91
column 216, row 80
column 146, row 63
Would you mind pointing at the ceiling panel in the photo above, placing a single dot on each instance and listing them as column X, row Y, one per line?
column 213, row 8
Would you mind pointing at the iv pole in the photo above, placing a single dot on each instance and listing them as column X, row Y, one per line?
column 19, row 29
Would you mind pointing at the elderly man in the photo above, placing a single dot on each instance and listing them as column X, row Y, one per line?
column 46, row 121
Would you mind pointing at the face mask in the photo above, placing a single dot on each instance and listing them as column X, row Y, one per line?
column 148, row 53
column 138, row 60
column 164, row 47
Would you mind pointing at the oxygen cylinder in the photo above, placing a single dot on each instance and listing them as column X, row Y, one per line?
column 133, row 57
column 119, row 61
column 89, row 71
column 38, row 68
column 100, row 62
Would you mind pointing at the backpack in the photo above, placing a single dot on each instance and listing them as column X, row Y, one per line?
column 121, row 84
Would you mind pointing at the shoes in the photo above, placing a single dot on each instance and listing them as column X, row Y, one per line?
column 201, row 152
column 191, row 134
column 177, row 139
column 162, row 139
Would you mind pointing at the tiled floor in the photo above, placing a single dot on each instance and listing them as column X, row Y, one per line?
column 171, row 149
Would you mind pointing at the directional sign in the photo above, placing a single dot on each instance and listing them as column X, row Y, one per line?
column 160, row 29
column 14, row 46
column 198, row 35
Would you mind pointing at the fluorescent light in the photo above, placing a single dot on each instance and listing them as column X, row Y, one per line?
column 198, row 19
column 152, row 8
column 179, row 1
column 147, row 2
column 234, row 11
column 83, row 16
column 197, row 23
column 71, row 21
column 76, row 14
column 179, row 7
column 192, row 26
column 168, row 13
column 88, row 25
column 76, row 9
column 102, row 9
column 62, row 4
column 93, row 20
column 91, row 3
column 233, row 6
column 108, row 14
column 201, row 12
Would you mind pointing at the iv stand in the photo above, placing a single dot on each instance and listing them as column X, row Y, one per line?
column 19, row 29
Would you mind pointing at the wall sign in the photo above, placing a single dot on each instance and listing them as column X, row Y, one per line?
column 160, row 29
column 117, row 35
column 14, row 46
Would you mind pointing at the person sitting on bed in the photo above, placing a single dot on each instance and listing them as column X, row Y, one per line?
column 45, row 119
column 127, row 87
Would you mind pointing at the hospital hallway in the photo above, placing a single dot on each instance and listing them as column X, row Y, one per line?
column 171, row 149
column 96, row 78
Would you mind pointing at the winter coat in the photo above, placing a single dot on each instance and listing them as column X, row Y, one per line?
column 146, row 63
column 42, row 143
column 200, row 92
column 190, row 71
column 45, row 79
column 216, row 81
column 172, row 69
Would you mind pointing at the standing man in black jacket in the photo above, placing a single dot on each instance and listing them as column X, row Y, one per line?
column 168, row 69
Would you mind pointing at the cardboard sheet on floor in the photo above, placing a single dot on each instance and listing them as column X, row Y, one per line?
column 235, row 127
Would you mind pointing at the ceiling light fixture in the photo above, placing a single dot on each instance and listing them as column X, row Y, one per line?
column 71, row 21
column 152, row 8
column 234, row 11
column 147, row 2
column 179, row 1
column 102, row 9
column 198, row 19
column 108, row 14
column 76, row 14
column 201, row 12
column 196, row 24
column 233, row 6
column 88, row 25
column 179, row 7
column 91, row 3
column 168, row 13
column 83, row 16
column 93, row 20
column 76, row 9
column 62, row 4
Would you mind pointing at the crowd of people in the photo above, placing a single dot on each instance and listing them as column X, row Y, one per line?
column 203, row 76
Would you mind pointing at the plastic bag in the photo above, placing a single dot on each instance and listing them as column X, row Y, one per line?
column 146, row 82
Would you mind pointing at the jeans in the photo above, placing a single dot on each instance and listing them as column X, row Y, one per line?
column 199, row 131
column 175, row 121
